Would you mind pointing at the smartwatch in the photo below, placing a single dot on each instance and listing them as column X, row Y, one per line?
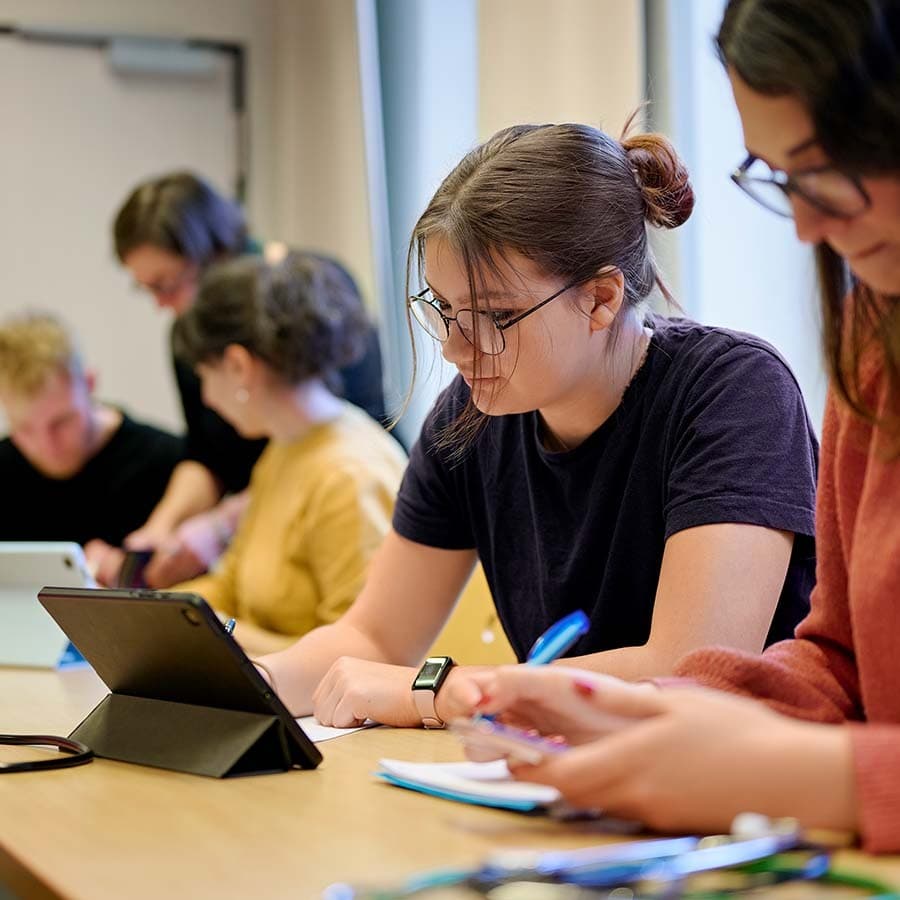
column 427, row 683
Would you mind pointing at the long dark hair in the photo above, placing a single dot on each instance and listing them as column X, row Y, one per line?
column 570, row 198
column 183, row 214
column 841, row 60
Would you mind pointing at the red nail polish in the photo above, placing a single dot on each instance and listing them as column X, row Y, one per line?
column 583, row 689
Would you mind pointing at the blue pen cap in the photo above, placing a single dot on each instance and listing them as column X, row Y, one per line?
column 558, row 638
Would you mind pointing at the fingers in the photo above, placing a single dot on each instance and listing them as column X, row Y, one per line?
column 172, row 563
column 600, row 775
column 460, row 695
column 619, row 698
column 519, row 686
column 108, row 565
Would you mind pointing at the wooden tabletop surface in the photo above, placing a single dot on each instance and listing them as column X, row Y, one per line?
column 113, row 830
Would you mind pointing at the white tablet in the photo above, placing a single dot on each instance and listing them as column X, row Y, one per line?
column 28, row 634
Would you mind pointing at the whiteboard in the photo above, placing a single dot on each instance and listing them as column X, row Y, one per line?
column 77, row 136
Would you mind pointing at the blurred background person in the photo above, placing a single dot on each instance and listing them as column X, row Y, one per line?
column 72, row 468
column 266, row 340
column 167, row 233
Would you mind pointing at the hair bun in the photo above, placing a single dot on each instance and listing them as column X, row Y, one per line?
column 663, row 179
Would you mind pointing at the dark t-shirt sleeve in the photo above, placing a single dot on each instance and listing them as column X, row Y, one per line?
column 429, row 509
column 743, row 449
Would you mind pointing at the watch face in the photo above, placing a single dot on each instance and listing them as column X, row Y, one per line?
column 428, row 678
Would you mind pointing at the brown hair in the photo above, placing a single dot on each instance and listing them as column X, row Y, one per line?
column 33, row 348
column 183, row 214
column 303, row 316
column 839, row 58
column 570, row 198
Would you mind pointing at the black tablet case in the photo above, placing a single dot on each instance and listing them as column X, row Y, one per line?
column 184, row 696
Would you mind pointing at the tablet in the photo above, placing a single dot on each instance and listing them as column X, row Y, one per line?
column 28, row 636
column 168, row 646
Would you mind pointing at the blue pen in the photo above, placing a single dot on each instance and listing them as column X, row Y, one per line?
column 552, row 644
column 229, row 626
column 558, row 638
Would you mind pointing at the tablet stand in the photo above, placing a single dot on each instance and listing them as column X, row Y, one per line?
column 202, row 740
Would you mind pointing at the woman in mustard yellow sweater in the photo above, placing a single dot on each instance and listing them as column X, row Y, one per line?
column 266, row 341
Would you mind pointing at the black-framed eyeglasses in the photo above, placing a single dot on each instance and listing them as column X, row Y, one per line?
column 483, row 329
column 829, row 190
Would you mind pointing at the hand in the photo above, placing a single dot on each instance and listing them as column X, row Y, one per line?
column 354, row 690
column 173, row 562
column 692, row 759
column 461, row 693
column 104, row 561
column 550, row 700
column 147, row 537
column 206, row 536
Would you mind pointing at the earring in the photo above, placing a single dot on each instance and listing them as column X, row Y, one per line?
column 242, row 395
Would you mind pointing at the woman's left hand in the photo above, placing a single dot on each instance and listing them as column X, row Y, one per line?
column 692, row 759
column 354, row 690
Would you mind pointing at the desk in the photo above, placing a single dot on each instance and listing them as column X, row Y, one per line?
column 113, row 830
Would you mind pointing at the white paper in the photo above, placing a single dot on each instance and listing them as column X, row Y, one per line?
column 490, row 780
column 318, row 733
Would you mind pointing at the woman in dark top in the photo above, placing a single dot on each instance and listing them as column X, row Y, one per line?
column 167, row 233
column 658, row 474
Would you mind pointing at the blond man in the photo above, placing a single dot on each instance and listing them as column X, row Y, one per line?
column 72, row 468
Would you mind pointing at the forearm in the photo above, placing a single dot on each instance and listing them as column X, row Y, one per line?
column 298, row 669
column 629, row 663
column 192, row 489
column 257, row 640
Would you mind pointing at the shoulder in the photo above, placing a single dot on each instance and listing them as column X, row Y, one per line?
column 9, row 453
column 149, row 437
column 352, row 449
column 701, row 356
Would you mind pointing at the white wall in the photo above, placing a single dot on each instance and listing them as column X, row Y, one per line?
column 321, row 198
column 558, row 61
column 69, row 166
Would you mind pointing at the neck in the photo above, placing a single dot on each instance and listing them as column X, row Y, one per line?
column 297, row 409
column 597, row 395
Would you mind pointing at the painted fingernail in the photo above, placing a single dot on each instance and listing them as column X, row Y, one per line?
column 583, row 689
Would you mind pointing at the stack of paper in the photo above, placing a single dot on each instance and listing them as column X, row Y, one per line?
column 485, row 784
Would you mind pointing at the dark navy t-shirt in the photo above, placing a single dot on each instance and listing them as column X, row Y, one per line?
column 712, row 429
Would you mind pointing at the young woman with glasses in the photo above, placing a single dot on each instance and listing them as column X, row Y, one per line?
column 655, row 473
column 817, row 88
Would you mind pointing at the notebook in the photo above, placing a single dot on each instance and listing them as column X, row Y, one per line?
column 28, row 634
column 480, row 783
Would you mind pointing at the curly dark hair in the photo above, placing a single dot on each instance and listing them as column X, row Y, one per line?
column 303, row 316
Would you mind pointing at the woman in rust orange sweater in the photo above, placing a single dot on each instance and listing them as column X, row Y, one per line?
column 816, row 86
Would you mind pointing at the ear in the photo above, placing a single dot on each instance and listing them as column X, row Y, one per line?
column 90, row 381
column 239, row 364
column 606, row 294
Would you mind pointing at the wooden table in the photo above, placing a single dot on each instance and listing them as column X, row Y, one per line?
column 112, row 830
